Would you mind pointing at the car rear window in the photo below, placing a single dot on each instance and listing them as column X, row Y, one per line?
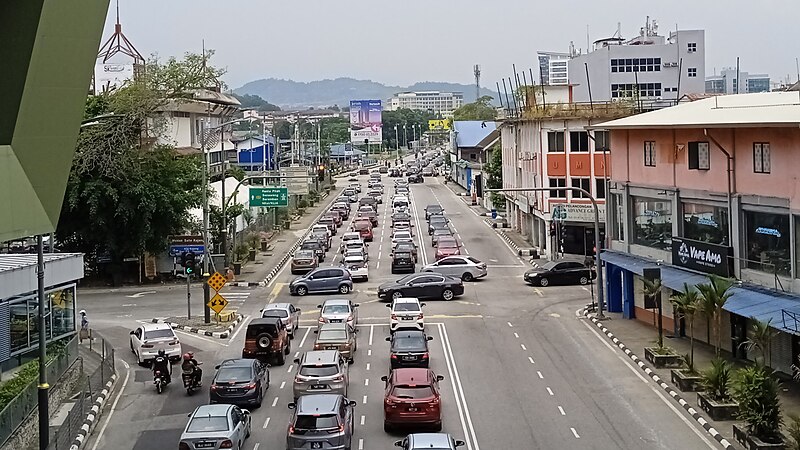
column 159, row 334
column 402, row 343
column 475, row 260
column 330, row 335
column 319, row 371
column 235, row 374
column 414, row 392
column 336, row 309
column 316, row 422
column 406, row 307
column 253, row 332
column 207, row 424
column 282, row 313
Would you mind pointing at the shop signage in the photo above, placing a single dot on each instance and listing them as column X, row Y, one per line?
column 576, row 212
column 701, row 256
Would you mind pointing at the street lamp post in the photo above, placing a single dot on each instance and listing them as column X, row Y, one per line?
column 397, row 143
column 600, row 287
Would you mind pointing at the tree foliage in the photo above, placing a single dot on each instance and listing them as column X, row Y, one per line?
column 494, row 174
column 481, row 109
column 406, row 117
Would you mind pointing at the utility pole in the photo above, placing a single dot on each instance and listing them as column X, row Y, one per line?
column 43, row 388
column 206, row 251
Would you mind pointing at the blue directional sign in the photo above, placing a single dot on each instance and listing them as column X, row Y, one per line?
column 177, row 250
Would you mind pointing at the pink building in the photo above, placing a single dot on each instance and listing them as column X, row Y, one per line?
column 710, row 186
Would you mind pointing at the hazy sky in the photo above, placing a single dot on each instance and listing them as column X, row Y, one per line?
column 403, row 41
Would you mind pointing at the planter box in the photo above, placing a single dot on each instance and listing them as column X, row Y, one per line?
column 684, row 381
column 660, row 361
column 717, row 411
column 751, row 442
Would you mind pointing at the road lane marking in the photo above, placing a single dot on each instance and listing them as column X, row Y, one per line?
column 516, row 335
column 296, row 354
column 368, row 363
column 277, row 275
column 365, row 400
column 575, row 433
column 369, row 353
column 461, row 401
column 371, row 332
column 361, row 444
column 258, row 444
column 561, row 410
column 366, row 382
column 266, row 423
column 531, row 360
column 539, row 373
column 584, row 288
column 378, row 266
column 202, row 338
column 275, row 291
column 538, row 292
column 379, row 254
column 283, row 383
column 289, row 370
column 113, row 405
column 422, row 247
column 523, row 346
column 240, row 328
column 275, row 402
column 550, row 391
column 509, row 324
column 302, row 341
column 362, row 420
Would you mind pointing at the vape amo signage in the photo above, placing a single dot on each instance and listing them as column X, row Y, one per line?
column 701, row 256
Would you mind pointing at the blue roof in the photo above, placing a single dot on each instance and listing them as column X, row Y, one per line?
column 671, row 276
column 469, row 133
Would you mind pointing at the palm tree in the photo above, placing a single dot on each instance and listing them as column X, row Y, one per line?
column 686, row 305
column 760, row 337
column 713, row 296
column 651, row 289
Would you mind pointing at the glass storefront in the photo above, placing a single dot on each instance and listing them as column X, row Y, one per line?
column 59, row 318
column 705, row 223
column 652, row 222
column 767, row 242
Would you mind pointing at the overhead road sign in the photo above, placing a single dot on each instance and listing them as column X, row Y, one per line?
column 269, row 196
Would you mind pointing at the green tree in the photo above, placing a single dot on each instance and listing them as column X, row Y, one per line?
column 282, row 129
column 760, row 337
column 685, row 304
column 481, row 109
column 714, row 295
column 255, row 101
column 402, row 117
column 494, row 174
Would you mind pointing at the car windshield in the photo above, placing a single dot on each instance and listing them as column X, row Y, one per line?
column 412, row 392
column 319, row 371
column 336, row 309
column 333, row 335
column 208, row 424
column 406, row 306
column 549, row 265
column 432, row 208
column 227, row 374
column 316, row 422
column 408, row 343
column 282, row 313
column 447, row 243
column 159, row 334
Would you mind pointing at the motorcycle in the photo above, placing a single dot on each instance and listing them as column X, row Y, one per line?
column 189, row 382
column 159, row 381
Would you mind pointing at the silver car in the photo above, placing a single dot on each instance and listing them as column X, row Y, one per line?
column 321, row 372
column 338, row 310
column 216, row 426
column 287, row 312
column 419, row 441
column 465, row 267
column 323, row 421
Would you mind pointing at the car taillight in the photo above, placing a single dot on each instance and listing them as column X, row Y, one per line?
column 394, row 356
column 425, row 355
column 317, row 347
column 213, row 387
column 175, row 342
column 291, row 429
column 147, row 345
column 394, row 316
column 338, row 378
column 321, row 320
column 250, row 386
column 420, row 316
column 227, row 443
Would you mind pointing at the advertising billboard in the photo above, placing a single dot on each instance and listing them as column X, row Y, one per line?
column 110, row 76
column 439, row 124
column 365, row 121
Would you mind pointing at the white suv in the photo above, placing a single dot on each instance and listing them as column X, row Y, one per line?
column 406, row 313
column 149, row 338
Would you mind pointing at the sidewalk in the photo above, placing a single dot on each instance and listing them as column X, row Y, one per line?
column 636, row 335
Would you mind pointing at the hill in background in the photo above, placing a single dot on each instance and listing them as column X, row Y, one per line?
column 294, row 94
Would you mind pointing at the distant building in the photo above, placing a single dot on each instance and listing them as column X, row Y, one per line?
column 553, row 68
column 652, row 69
column 443, row 103
column 728, row 83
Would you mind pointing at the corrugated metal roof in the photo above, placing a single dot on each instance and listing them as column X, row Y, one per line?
column 765, row 109
column 16, row 261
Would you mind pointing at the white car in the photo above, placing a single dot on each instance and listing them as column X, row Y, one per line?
column 351, row 236
column 357, row 266
column 356, row 186
column 465, row 267
column 148, row 338
column 401, row 234
column 400, row 201
column 357, row 251
column 353, row 245
column 406, row 312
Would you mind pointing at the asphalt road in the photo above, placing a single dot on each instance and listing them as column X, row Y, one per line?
column 522, row 370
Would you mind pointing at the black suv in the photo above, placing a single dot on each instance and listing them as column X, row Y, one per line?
column 315, row 245
column 402, row 262
column 409, row 348
column 240, row 381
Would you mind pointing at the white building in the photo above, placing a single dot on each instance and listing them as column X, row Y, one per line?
column 664, row 68
column 443, row 103
column 553, row 68
column 727, row 82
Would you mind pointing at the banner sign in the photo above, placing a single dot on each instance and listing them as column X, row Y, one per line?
column 702, row 256
column 577, row 212
column 439, row 124
column 366, row 122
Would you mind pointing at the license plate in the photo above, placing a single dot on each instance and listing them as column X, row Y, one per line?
column 316, row 445
column 204, row 444
column 318, row 387
column 408, row 318
column 409, row 358
column 332, row 347
column 336, row 320
column 413, row 409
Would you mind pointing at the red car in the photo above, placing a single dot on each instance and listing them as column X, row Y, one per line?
column 447, row 247
column 337, row 218
column 364, row 228
column 412, row 397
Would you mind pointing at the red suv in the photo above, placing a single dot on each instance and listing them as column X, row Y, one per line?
column 412, row 397
column 364, row 229
column 447, row 247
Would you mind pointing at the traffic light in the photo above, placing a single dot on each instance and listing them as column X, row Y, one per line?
column 189, row 262
column 321, row 173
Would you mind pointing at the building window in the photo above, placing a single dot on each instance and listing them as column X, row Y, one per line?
column 578, row 141
column 652, row 222
column 555, row 141
column 583, row 183
column 558, row 183
column 650, row 153
column 691, row 47
column 699, row 158
column 767, row 242
column 636, row 65
column 602, row 141
column 692, row 72
column 619, row 217
column 599, row 188
column 628, row 90
column 761, row 160
column 705, row 223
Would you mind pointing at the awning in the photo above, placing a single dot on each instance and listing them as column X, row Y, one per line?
column 671, row 276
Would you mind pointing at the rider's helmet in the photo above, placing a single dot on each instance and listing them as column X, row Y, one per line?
column 162, row 352
column 187, row 356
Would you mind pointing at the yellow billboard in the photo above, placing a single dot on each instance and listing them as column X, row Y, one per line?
column 439, row 124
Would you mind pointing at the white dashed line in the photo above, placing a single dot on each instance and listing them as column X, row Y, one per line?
column 275, row 402
column 369, row 353
column 365, row 400
column 258, row 444
column 366, row 382
column 550, row 391
column 523, row 346
column 531, row 360
column 296, row 354
column 283, row 383
column 303, row 341
column 362, row 420
column 360, row 444
column 509, row 324
column 516, row 335
column 266, row 424
column 560, row 409
column 541, row 377
column 368, row 364
column 371, row 333
column 575, row 433
column 289, row 370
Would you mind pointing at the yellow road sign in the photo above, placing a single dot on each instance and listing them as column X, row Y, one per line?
column 218, row 303
column 216, row 281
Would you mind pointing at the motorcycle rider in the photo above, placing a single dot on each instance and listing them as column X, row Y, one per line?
column 161, row 364
column 192, row 367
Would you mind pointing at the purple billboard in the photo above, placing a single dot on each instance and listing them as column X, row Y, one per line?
column 365, row 121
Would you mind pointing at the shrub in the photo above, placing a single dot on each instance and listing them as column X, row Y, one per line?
column 302, row 204
column 242, row 250
column 716, row 380
column 756, row 391
column 793, row 430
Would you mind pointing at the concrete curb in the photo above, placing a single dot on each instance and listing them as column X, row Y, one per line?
column 92, row 418
column 214, row 334
column 666, row 387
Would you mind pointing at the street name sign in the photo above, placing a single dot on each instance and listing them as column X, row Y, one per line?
column 269, row 196
column 180, row 244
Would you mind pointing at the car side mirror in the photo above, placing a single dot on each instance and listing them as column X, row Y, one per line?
column 398, row 443
column 133, row 332
column 388, row 338
column 319, row 306
column 384, row 378
column 351, row 361
column 422, row 304
column 291, row 405
column 298, row 310
column 246, row 411
column 352, row 403
column 217, row 367
column 297, row 360
column 460, row 443
column 430, row 338
column 439, row 377
column 388, row 305
column 356, row 305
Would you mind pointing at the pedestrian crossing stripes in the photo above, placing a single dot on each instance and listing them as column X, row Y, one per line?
column 236, row 296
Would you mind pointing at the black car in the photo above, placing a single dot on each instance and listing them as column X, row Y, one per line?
column 240, row 381
column 437, row 224
column 402, row 261
column 427, row 285
column 433, row 210
column 400, row 217
column 409, row 348
column 416, row 178
column 315, row 245
column 363, row 171
column 407, row 247
column 559, row 272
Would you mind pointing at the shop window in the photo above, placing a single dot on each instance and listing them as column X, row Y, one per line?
column 699, row 158
column 619, row 217
column 767, row 242
column 705, row 223
column 652, row 222
column 21, row 322
column 558, row 183
column 578, row 141
column 599, row 188
column 583, row 183
column 62, row 310
column 555, row 141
